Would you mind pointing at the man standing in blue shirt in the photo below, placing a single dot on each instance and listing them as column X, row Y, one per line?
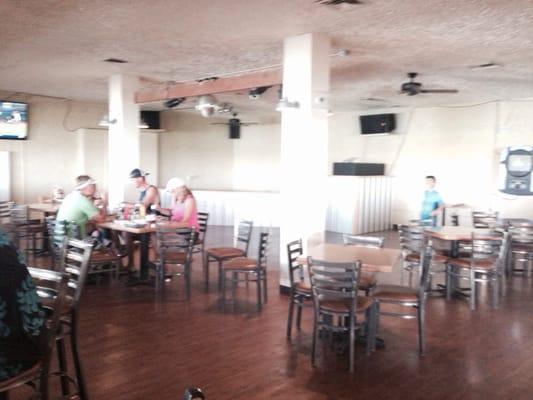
column 433, row 203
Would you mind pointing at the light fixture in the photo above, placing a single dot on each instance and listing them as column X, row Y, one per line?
column 174, row 102
column 256, row 93
column 207, row 105
column 105, row 121
column 330, row 113
column 285, row 104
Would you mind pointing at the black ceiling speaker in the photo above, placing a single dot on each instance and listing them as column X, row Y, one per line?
column 378, row 123
column 234, row 128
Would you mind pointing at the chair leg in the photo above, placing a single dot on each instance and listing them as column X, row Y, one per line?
column 75, row 355
column 291, row 310
column 472, row 290
column 188, row 281
column 315, row 339
column 219, row 274
column 421, row 330
column 495, row 290
column 206, row 271
column 234, row 279
column 299, row 316
column 62, row 361
column 352, row 342
column 224, row 290
column 448, row 282
column 259, row 293
column 264, row 274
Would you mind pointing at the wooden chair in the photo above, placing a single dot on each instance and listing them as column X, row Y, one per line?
column 174, row 249
column 74, row 262
column 408, row 297
column 334, row 287
column 27, row 230
column 249, row 267
column 221, row 254
column 53, row 286
column 486, row 264
column 300, row 290
column 367, row 281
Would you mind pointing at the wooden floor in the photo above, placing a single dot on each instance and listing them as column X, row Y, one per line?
column 134, row 347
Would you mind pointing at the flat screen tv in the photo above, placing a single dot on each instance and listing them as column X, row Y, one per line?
column 13, row 120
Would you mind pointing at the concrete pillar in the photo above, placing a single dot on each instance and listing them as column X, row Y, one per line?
column 124, row 144
column 304, row 142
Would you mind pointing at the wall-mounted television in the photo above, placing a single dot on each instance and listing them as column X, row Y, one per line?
column 13, row 120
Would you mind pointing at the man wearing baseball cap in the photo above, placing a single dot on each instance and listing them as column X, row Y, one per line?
column 78, row 206
column 148, row 194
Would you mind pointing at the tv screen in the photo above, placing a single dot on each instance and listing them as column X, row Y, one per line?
column 13, row 120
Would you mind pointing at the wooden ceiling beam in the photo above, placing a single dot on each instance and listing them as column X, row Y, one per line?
column 220, row 85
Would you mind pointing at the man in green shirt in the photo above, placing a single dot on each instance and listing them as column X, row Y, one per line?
column 78, row 206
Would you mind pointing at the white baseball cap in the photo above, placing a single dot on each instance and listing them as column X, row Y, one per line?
column 174, row 183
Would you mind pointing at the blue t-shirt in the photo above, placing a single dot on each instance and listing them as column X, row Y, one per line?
column 432, row 201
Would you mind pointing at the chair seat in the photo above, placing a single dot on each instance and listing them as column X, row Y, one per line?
column 103, row 256
column 522, row 248
column 240, row 263
column 343, row 306
column 224, row 252
column 448, row 254
column 367, row 281
column 395, row 293
column 303, row 287
column 483, row 263
column 174, row 257
column 435, row 259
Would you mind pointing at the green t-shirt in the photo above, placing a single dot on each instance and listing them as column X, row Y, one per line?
column 77, row 208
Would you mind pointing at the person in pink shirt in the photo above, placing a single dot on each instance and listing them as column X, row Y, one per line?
column 183, row 207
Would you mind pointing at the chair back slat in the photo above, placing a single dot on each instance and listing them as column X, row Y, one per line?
column 363, row 241
column 411, row 237
column 264, row 242
column 294, row 251
column 522, row 234
column 75, row 257
column 334, row 281
column 484, row 219
column 175, row 240
column 244, row 233
column 203, row 217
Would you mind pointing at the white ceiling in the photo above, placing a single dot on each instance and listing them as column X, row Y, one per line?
column 56, row 47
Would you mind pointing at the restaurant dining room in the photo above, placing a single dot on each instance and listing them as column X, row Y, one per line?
column 306, row 199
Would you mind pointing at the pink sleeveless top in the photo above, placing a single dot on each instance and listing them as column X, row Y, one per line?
column 178, row 212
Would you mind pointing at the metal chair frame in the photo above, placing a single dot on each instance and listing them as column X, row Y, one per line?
column 172, row 240
column 244, row 234
column 297, row 297
column 26, row 229
column 199, row 245
column 258, row 273
column 484, row 219
column 419, row 304
column 494, row 251
column 521, row 246
column 338, row 282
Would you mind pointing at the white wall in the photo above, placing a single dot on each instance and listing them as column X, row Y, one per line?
column 194, row 149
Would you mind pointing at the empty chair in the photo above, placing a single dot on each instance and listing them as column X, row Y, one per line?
column 174, row 250
column 51, row 286
column 409, row 297
column 300, row 290
column 74, row 262
column 335, row 298
column 521, row 248
column 27, row 230
column 412, row 242
column 220, row 254
column 486, row 264
column 368, row 281
column 256, row 269
column 484, row 219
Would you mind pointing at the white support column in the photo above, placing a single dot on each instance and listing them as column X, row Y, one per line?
column 304, row 142
column 124, row 144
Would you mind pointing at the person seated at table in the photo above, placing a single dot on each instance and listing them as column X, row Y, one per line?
column 432, row 204
column 183, row 207
column 148, row 194
column 21, row 317
column 79, row 205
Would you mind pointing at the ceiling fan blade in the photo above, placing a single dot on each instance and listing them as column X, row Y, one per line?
column 183, row 108
column 218, row 123
column 249, row 123
column 439, row 91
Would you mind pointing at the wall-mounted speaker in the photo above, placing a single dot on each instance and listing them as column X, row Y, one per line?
column 151, row 118
column 378, row 123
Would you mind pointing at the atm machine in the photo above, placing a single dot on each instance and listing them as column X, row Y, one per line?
column 515, row 171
